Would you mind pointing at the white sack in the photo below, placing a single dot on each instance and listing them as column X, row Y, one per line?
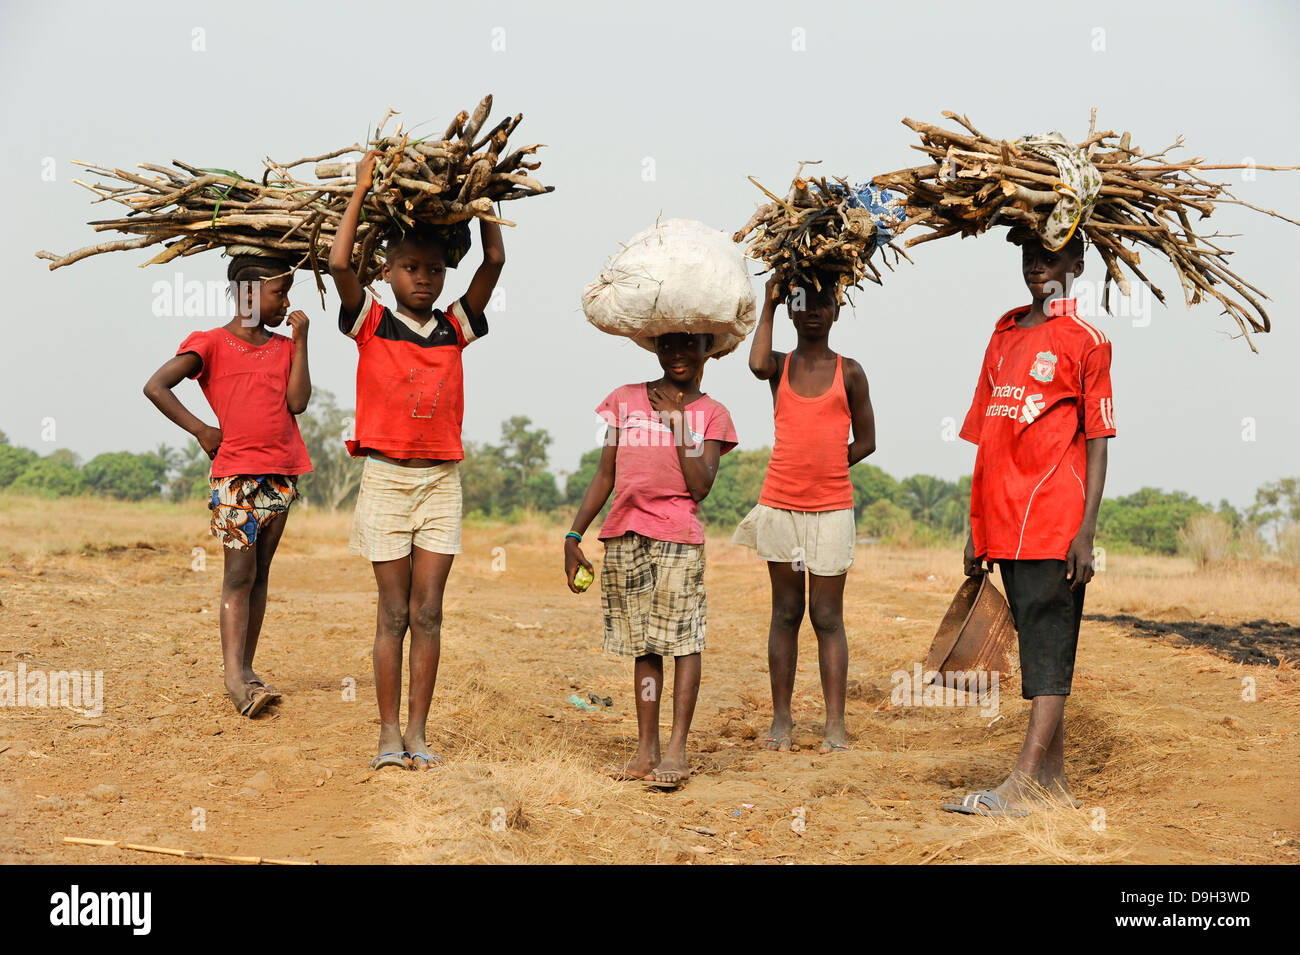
column 676, row 276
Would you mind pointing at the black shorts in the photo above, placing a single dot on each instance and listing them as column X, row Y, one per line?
column 1047, row 614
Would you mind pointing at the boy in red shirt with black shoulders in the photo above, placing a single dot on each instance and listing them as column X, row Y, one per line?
column 1041, row 418
column 410, row 404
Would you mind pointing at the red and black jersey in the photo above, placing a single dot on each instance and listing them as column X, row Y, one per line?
column 410, row 385
column 1042, row 393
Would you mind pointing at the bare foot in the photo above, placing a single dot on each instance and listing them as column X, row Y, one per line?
column 637, row 768
column 669, row 774
column 780, row 738
column 253, row 679
column 836, row 741
column 422, row 758
column 249, row 700
column 1057, row 792
column 1020, row 792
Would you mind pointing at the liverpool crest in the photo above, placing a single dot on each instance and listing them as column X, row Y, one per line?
column 1044, row 368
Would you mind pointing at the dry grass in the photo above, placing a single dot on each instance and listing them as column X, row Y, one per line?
column 1173, row 588
column 540, row 783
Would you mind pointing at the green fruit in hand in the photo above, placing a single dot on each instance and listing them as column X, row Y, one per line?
column 582, row 579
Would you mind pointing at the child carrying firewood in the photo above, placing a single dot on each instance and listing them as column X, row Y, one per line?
column 662, row 447
column 803, row 524
column 1041, row 418
column 410, row 403
column 256, row 381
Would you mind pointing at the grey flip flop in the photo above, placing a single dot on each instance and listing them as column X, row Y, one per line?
column 984, row 802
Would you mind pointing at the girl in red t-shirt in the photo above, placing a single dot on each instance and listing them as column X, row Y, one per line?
column 804, row 522
column 256, row 382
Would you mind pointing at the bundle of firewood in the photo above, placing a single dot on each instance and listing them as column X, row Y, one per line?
column 1145, row 199
column 820, row 231
column 417, row 180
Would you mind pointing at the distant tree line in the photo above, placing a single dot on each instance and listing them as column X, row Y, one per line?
column 512, row 477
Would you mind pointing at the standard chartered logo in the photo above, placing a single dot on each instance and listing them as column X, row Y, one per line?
column 1032, row 409
column 1026, row 413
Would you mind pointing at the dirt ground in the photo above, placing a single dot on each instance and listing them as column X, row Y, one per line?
column 1180, row 755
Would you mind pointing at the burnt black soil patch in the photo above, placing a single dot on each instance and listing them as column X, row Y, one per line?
column 1259, row 642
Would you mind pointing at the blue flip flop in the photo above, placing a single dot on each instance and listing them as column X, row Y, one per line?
column 391, row 759
column 984, row 802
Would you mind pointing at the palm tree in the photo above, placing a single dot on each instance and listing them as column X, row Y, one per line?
column 924, row 496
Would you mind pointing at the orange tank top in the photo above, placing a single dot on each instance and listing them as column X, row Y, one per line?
column 809, row 469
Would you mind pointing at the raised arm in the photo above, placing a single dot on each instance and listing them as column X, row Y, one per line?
column 860, row 413
column 494, row 260
column 299, row 392
column 763, row 362
column 158, row 389
column 598, row 491
column 351, row 292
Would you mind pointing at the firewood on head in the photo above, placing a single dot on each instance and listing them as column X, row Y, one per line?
column 416, row 183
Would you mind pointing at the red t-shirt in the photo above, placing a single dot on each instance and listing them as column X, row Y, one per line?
column 650, row 493
column 410, row 384
column 1042, row 393
column 247, row 387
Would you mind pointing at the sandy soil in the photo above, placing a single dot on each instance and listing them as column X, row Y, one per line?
column 1172, row 762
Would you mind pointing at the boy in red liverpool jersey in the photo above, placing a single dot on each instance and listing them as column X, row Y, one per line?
column 410, row 403
column 1041, row 416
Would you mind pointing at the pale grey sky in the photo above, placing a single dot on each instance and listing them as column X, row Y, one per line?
column 712, row 93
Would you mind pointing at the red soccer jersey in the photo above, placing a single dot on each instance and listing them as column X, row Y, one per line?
column 247, row 387
column 410, row 385
column 1042, row 393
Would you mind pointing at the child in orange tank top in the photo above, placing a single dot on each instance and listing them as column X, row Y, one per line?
column 803, row 525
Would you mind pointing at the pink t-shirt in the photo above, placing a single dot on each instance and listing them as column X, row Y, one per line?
column 247, row 387
column 650, row 495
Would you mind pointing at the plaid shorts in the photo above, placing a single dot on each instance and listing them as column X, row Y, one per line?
column 243, row 504
column 653, row 595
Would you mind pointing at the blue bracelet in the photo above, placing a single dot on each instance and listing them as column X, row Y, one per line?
column 575, row 535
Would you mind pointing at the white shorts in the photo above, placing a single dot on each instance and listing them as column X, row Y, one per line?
column 399, row 507
column 822, row 540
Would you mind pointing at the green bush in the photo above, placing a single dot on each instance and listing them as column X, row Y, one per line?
column 52, row 476
column 1148, row 520
column 125, row 476
column 13, row 462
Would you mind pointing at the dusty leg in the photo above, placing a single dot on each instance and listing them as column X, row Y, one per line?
column 1051, row 774
column 429, row 573
column 783, row 650
column 674, row 767
column 236, row 588
column 268, row 539
column 826, row 609
column 1045, row 724
column 393, row 579
column 648, row 679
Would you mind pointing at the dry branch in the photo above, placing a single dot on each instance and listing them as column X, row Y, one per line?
column 818, row 230
column 975, row 182
column 416, row 181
